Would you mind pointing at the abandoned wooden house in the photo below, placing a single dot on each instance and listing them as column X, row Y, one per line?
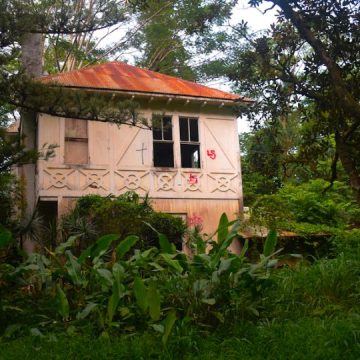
column 188, row 164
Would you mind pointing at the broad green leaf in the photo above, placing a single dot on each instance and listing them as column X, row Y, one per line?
column 73, row 268
column 5, row 237
column 223, row 229
column 168, row 325
column 113, row 301
column 105, row 276
column 118, row 272
column 125, row 245
column 140, row 293
column 165, row 244
column 171, row 262
column 153, row 299
column 99, row 248
column 270, row 243
column 85, row 254
column 216, row 256
column 62, row 303
column 102, row 244
column 67, row 244
column 86, row 311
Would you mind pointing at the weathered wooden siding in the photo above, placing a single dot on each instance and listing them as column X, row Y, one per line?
column 120, row 160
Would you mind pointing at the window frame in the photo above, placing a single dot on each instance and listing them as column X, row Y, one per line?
column 164, row 141
column 75, row 139
column 189, row 141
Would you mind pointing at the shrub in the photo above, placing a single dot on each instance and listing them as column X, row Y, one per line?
column 124, row 215
column 310, row 203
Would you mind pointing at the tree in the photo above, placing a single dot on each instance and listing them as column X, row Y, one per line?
column 176, row 32
column 23, row 27
column 308, row 61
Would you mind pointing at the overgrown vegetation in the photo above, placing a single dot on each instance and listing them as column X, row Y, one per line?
column 127, row 214
column 158, row 303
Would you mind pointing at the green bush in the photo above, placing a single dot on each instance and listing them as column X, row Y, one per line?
column 125, row 215
column 310, row 203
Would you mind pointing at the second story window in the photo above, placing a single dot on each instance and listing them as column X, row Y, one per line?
column 76, row 142
column 189, row 142
column 163, row 144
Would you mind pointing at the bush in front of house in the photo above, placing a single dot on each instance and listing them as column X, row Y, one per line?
column 125, row 215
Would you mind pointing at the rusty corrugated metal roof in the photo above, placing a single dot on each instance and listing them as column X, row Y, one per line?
column 119, row 76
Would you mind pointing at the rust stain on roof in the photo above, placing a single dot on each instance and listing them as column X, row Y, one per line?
column 119, row 76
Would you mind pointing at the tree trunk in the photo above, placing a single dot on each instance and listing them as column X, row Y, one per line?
column 32, row 46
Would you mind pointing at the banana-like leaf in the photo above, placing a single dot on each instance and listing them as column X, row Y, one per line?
column 164, row 243
column 140, row 293
column 270, row 243
column 67, row 244
column 63, row 307
column 73, row 268
column 106, row 277
column 171, row 262
column 153, row 298
column 215, row 257
column 113, row 301
column 118, row 272
column 168, row 325
column 99, row 248
column 223, row 229
column 86, row 311
column 125, row 245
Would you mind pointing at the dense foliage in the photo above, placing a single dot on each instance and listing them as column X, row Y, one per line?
column 125, row 215
column 119, row 291
column 144, row 300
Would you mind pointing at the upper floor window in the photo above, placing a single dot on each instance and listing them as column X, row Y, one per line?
column 163, row 144
column 76, row 142
column 189, row 142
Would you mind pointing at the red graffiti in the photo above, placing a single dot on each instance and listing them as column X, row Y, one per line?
column 211, row 154
column 193, row 179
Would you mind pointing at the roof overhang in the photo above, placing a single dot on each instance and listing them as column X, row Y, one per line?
column 168, row 97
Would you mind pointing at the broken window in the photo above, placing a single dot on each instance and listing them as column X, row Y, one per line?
column 76, row 142
column 189, row 142
column 163, row 144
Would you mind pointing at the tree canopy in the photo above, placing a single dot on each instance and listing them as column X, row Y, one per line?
column 307, row 62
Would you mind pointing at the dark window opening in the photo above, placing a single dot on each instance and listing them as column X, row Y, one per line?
column 162, row 142
column 189, row 143
column 163, row 154
column 190, row 156
column 48, row 211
